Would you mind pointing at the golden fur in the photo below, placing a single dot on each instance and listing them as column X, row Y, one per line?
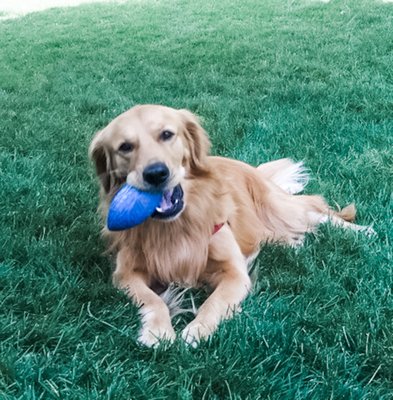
column 249, row 201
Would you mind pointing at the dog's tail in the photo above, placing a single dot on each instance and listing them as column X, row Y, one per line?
column 290, row 176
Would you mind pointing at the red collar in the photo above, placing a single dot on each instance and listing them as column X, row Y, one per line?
column 217, row 227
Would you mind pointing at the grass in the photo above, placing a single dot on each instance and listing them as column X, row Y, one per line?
column 271, row 79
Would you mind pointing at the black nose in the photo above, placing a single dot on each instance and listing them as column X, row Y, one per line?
column 156, row 174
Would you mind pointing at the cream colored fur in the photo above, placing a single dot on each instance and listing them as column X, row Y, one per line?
column 256, row 205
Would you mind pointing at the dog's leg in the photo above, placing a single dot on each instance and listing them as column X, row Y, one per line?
column 156, row 322
column 292, row 177
column 342, row 219
column 227, row 273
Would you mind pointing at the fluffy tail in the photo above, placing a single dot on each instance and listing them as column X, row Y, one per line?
column 289, row 176
column 292, row 178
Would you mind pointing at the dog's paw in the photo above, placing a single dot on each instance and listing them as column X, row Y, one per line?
column 368, row 230
column 154, row 336
column 194, row 332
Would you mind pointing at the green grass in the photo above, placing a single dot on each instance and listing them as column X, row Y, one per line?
column 271, row 79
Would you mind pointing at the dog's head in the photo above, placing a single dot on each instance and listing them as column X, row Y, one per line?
column 152, row 148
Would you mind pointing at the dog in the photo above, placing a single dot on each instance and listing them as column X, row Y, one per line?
column 214, row 215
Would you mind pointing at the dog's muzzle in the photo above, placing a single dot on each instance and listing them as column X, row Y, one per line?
column 156, row 174
column 171, row 205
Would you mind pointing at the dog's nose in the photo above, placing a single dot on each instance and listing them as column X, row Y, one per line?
column 156, row 174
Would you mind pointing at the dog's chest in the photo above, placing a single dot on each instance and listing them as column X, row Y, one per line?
column 176, row 257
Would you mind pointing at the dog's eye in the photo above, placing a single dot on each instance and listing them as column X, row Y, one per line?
column 126, row 147
column 166, row 135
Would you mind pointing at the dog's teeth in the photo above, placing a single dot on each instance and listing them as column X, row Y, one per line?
column 159, row 209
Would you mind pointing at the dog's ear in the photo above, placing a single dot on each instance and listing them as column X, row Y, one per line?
column 102, row 160
column 197, row 142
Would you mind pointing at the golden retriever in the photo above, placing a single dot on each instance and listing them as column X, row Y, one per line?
column 214, row 215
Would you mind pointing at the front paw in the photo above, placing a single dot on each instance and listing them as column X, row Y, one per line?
column 194, row 332
column 152, row 336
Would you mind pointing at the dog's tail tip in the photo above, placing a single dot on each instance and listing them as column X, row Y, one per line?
column 348, row 213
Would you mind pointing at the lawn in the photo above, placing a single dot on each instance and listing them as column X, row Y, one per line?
column 302, row 79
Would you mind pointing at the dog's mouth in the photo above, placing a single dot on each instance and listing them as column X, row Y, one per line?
column 171, row 205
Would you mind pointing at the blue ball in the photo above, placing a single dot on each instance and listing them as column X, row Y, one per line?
column 130, row 207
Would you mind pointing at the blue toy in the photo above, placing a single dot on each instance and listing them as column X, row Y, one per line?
column 130, row 207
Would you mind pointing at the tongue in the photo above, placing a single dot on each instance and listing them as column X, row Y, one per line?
column 166, row 202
